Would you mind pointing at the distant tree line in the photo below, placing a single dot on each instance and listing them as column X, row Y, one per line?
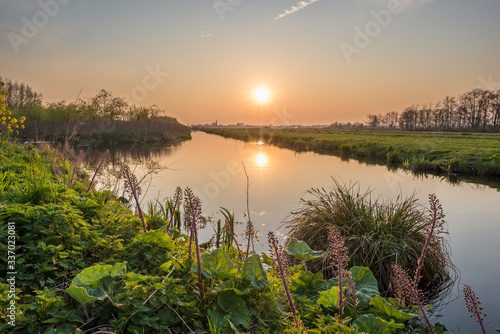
column 20, row 95
column 100, row 119
column 476, row 110
column 23, row 100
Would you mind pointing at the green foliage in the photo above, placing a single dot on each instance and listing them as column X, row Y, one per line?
column 157, row 238
column 369, row 323
column 254, row 273
column 300, row 250
column 329, row 298
column 217, row 264
column 387, row 310
column 366, row 286
column 230, row 302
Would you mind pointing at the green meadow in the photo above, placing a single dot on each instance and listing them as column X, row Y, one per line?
column 461, row 153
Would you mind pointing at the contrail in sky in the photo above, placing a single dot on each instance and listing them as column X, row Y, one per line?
column 300, row 5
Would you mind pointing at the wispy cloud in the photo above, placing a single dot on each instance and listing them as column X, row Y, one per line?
column 300, row 5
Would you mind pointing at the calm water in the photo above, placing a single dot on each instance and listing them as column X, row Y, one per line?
column 212, row 167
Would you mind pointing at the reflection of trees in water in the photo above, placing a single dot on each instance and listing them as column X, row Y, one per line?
column 148, row 158
column 134, row 154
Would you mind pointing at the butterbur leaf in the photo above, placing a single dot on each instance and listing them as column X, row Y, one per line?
column 329, row 298
column 385, row 309
column 230, row 301
column 166, row 267
column 254, row 272
column 366, row 286
column 235, row 330
column 228, row 286
column 369, row 323
column 307, row 283
column 217, row 319
column 159, row 238
column 217, row 264
column 92, row 275
column 80, row 295
column 300, row 250
column 267, row 259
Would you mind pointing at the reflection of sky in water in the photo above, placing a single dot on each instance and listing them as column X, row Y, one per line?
column 279, row 178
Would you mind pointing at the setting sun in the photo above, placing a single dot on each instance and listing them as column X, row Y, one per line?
column 261, row 94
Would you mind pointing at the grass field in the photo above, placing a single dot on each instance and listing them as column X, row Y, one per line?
column 476, row 154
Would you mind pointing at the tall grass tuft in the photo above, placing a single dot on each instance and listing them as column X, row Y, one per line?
column 226, row 235
column 376, row 234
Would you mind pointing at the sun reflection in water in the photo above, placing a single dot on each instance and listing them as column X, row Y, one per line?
column 261, row 159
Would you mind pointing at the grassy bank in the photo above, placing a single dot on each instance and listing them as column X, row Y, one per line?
column 83, row 262
column 476, row 154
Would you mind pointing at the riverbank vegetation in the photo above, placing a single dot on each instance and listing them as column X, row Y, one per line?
column 82, row 261
column 449, row 153
column 97, row 120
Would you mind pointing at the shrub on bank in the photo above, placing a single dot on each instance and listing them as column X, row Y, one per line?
column 376, row 234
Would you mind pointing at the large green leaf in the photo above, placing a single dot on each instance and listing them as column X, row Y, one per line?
column 301, row 251
column 89, row 277
column 80, row 295
column 159, row 238
column 329, row 298
column 230, row 301
column 267, row 260
column 385, row 309
column 254, row 272
column 369, row 323
column 307, row 283
column 217, row 264
column 366, row 286
column 217, row 319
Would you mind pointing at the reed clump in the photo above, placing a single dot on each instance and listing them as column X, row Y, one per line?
column 376, row 235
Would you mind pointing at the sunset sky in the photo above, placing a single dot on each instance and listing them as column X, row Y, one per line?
column 322, row 60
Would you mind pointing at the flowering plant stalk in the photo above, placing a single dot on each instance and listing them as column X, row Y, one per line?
column 278, row 256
